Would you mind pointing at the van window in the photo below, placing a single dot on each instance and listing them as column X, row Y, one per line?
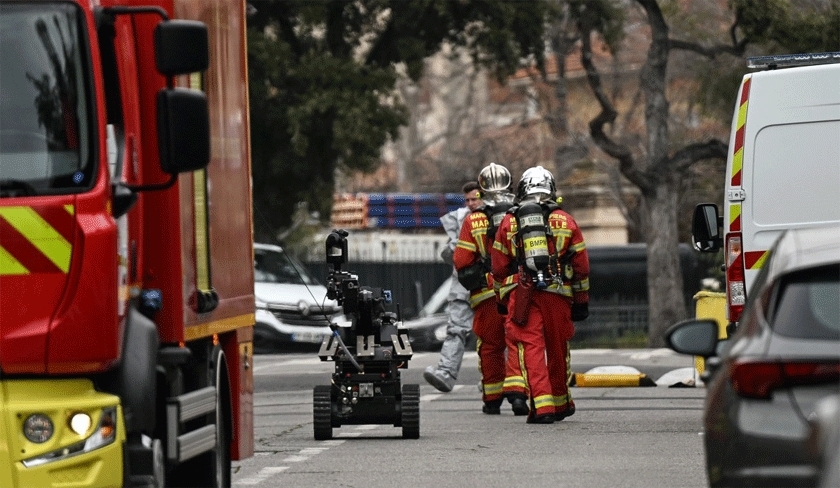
column 795, row 172
column 809, row 304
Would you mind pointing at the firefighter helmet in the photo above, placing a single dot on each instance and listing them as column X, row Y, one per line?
column 537, row 183
column 494, row 178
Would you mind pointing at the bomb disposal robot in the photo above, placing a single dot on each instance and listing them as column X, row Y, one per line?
column 365, row 387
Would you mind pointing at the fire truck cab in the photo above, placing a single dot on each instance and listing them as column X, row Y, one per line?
column 126, row 258
column 783, row 168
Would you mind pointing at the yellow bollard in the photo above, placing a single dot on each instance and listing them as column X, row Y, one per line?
column 711, row 305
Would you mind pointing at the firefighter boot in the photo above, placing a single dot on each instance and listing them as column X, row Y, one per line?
column 567, row 412
column 492, row 407
column 439, row 379
column 546, row 418
column 519, row 405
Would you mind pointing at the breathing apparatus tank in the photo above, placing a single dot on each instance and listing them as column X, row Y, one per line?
column 532, row 231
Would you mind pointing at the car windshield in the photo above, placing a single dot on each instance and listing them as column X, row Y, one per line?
column 45, row 122
column 272, row 266
column 809, row 304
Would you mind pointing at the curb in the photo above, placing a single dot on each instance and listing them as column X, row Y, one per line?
column 626, row 376
column 601, row 380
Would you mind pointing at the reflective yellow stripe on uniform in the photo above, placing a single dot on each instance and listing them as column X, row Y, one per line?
column 582, row 285
column 492, row 388
column 469, row 246
column 543, row 401
column 561, row 400
column 514, row 381
column 479, row 297
column 500, row 247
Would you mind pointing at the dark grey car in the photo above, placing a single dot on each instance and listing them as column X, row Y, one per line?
column 767, row 379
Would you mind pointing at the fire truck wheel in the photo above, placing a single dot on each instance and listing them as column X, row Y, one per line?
column 221, row 454
column 159, row 464
column 211, row 469
column 410, row 411
column 322, row 412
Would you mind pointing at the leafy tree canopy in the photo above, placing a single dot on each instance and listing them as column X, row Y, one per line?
column 322, row 77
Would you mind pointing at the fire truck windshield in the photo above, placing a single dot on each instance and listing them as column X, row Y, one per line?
column 45, row 116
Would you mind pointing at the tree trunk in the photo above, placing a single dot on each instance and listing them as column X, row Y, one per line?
column 666, row 303
column 665, row 290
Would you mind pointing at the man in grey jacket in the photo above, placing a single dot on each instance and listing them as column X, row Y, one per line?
column 460, row 313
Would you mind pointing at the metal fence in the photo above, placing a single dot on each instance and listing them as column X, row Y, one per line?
column 613, row 319
column 618, row 279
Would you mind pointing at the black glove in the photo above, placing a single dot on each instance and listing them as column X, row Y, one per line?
column 580, row 311
column 501, row 308
column 446, row 255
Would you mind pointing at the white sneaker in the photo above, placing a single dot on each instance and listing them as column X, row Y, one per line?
column 439, row 379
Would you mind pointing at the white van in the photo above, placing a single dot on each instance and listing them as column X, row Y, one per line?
column 783, row 168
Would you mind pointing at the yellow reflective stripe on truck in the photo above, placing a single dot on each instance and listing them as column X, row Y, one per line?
column 32, row 227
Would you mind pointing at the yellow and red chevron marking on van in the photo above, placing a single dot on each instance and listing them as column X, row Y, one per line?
column 734, row 217
column 754, row 259
column 36, row 239
column 738, row 147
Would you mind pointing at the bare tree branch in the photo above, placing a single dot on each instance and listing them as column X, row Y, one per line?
column 685, row 157
column 710, row 52
column 737, row 47
column 607, row 115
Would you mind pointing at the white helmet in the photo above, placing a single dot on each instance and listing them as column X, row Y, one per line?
column 494, row 178
column 537, row 183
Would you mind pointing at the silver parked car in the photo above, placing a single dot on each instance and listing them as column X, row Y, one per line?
column 427, row 330
column 292, row 306
column 765, row 382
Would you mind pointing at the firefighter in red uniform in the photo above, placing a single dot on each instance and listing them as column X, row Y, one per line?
column 472, row 261
column 552, row 291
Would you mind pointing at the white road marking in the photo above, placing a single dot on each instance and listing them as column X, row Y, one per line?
column 295, row 459
column 434, row 396
column 263, row 475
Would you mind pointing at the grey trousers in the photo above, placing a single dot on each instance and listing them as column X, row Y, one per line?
column 457, row 330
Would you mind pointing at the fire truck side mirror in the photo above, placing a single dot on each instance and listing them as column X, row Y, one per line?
column 183, row 130
column 181, row 47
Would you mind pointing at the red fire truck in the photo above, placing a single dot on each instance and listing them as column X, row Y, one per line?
column 126, row 259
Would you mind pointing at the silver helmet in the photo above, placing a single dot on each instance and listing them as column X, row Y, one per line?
column 536, row 183
column 494, row 178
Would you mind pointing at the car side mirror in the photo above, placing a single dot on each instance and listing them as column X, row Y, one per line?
column 705, row 228
column 697, row 337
